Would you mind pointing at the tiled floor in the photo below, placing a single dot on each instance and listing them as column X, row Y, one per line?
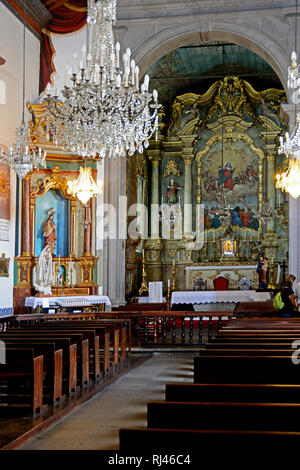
column 95, row 426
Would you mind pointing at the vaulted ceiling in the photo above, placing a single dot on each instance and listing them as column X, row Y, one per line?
column 194, row 68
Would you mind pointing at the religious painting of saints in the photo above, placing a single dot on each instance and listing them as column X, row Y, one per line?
column 228, row 247
column 232, row 173
column 4, row 192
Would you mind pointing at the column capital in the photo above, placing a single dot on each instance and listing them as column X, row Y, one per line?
column 154, row 160
column 188, row 159
column 271, row 153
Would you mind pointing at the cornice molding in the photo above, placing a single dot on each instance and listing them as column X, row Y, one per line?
column 136, row 10
column 37, row 15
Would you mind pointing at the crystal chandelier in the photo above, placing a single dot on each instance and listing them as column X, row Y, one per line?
column 102, row 110
column 84, row 187
column 289, row 180
column 291, row 145
column 23, row 155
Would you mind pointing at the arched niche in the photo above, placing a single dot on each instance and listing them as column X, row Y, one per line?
column 52, row 193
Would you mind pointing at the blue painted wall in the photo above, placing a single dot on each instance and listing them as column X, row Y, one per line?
column 61, row 219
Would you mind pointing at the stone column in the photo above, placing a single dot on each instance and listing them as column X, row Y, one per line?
column 154, row 197
column 73, row 219
column 32, row 224
column 288, row 114
column 271, row 190
column 87, row 230
column 188, row 207
column 114, row 243
column 26, row 251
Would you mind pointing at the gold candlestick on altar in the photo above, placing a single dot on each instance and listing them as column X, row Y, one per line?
column 173, row 277
column 144, row 286
column 169, row 298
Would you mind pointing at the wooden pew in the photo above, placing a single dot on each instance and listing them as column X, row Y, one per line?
column 235, row 393
column 246, row 369
column 123, row 325
column 77, row 338
column 21, row 383
column 53, row 362
column 248, row 343
column 179, row 442
column 280, row 417
column 91, row 330
column 246, row 352
column 99, row 329
column 69, row 373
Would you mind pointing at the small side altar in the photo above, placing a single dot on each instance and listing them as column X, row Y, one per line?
column 67, row 304
column 57, row 241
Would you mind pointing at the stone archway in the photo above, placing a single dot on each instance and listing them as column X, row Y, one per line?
column 262, row 44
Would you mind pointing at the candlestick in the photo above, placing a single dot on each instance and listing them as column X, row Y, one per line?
column 144, row 286
column 71, row 271
column 173, row 277
column 169, row 298
column 169, row 283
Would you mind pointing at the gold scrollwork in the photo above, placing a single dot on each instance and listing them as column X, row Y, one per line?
column 172, row 168
column 54, row 181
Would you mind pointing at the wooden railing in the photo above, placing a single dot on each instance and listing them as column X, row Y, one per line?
column 153, row 327
column 5, row 321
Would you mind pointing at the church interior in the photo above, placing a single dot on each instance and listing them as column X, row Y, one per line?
column 149, row 226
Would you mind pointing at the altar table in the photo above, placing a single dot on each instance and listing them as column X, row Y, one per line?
column 206, row 297
column 67, row 301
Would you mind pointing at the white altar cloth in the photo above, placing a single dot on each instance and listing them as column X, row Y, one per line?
column 67, row 301
column 145, row 300
column 206, row 297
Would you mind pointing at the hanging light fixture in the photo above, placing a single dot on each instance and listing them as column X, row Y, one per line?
column 23, row 155
column 102, row 110
column 289, row 180
column 84, row 187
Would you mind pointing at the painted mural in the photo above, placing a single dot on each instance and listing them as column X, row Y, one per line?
column 234, row 170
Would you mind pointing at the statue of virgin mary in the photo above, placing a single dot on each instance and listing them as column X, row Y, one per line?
column 44, row 275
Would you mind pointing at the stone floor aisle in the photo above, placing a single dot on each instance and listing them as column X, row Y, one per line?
column 95, row 426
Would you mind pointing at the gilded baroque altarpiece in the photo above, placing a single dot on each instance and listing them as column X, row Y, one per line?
column 217, row 146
